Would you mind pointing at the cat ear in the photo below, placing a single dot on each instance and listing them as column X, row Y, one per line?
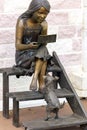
column 48, row 75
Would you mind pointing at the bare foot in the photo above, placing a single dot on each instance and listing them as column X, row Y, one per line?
column 41, row 89
column 33, row 85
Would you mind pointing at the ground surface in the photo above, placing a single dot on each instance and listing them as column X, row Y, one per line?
column 36, row 113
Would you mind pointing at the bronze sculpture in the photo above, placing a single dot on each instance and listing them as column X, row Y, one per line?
column 53, row 103
column 29, row 55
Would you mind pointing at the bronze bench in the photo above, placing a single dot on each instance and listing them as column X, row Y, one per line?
column 31, row 95
column 6, row 73
column 65, row 84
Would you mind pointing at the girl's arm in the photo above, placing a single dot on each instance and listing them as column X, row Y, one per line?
column 19, row 35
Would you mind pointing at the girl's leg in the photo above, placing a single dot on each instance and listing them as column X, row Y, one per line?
column 38, row 66
column 41, row 74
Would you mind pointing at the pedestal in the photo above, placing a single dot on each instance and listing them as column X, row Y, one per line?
column 79, row 81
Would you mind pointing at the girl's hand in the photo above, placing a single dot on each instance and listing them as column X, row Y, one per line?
column 33, row 45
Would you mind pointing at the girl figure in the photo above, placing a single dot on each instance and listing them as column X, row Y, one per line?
column 29, row 54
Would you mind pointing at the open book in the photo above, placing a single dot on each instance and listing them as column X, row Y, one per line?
column 42, row 39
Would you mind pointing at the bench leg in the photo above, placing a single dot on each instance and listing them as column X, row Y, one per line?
column 5, row 98
column 15, row 113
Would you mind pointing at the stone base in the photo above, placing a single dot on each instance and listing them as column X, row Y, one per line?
column 81, row 93
column 79, row 81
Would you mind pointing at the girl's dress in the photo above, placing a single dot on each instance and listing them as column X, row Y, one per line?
column 26, row 58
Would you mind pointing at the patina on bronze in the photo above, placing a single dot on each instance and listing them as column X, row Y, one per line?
column 53, row 103
column 30, row 55
column 79, row 116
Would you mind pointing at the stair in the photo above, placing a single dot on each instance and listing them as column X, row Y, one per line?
column 34, row 95
column 73, row 120
column 67, row 91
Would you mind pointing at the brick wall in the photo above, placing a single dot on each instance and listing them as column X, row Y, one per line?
column 65, row 19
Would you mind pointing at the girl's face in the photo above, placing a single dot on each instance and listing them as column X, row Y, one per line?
column 39, row 15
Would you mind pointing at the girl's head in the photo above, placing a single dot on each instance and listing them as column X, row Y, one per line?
column 34, row 6
column 37, row 4
column 39, row 15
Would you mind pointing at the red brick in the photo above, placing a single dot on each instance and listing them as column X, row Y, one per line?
column 57, row 18
column 7, row 36
column 1, row 6
column 70, row 59
column 65, row 4
column 66, row 31
column 8, row 20
column 7, row 51
column 77, row 44
column 7, row 62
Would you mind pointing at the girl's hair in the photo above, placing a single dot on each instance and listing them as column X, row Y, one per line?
column 34, row 6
